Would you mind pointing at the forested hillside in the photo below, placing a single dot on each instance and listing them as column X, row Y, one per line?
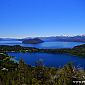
column 21, row 74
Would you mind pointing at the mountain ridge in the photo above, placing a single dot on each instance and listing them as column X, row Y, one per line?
column 77, row 38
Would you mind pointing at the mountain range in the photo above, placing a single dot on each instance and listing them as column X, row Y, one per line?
column 79, row 38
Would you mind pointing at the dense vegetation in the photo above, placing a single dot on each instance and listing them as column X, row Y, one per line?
column 17, row 48
column 21, row 74
column 78, row 50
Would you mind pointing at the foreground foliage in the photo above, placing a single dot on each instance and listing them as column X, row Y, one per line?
column 21, row 74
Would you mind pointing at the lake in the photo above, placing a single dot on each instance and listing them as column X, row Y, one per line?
column 51, row 45
column 50, row 60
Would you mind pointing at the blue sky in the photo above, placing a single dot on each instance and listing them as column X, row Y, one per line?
column 24, row 18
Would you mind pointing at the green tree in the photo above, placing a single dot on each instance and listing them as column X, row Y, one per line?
column 24, row 75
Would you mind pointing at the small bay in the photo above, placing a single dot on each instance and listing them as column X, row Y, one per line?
column 50, row 60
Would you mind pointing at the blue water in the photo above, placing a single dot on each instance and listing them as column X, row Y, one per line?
column 50, row 60
column 51, row 45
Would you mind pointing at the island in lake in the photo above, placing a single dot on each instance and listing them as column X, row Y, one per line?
column 32, row 41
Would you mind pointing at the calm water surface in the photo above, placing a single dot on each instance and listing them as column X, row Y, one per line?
column 50, row 60
column 51, row 45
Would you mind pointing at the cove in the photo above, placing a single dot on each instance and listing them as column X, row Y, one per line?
column 49, row 60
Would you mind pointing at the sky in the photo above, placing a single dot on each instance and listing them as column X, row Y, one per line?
column 32, row 18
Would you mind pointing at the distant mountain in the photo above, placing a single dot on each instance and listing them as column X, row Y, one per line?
column 32, row 41
column 64, row 38
column 79, row 38
column 47, row 39
column 1, row 39
column 8, row 39
column 72, row 39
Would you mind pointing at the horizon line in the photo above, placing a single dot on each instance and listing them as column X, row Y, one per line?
column 43, row 36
